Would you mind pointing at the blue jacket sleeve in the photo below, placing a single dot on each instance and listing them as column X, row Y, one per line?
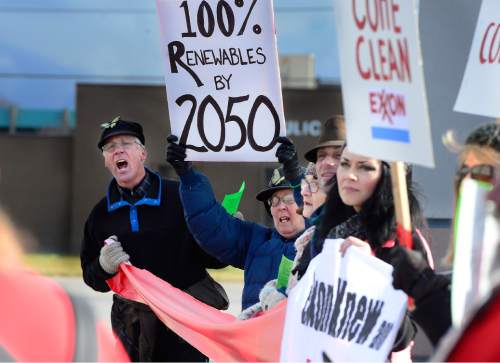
column 221, row 235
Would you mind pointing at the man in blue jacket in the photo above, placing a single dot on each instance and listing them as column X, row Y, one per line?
column 256, row 249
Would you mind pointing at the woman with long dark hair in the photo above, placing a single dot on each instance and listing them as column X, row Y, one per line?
column 364, row 184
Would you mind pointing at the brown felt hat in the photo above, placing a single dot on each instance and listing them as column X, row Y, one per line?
column 332, row 134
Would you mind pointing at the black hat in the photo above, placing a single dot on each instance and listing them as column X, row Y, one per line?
column 277, row 182
column 332, row 134
column 120, row 127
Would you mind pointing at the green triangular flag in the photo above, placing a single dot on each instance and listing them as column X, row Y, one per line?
column 284, row 272
column 231, row 202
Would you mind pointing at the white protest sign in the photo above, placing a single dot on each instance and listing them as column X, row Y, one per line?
column 474, row 250
column 343, row 309
column 382, row 80
column 479, row 92
column 222, row 78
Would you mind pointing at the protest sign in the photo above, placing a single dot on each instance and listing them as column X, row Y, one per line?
column 479, row 90
column 222, row 78
column 346, row 306
column 474, row 250
column 382, row 80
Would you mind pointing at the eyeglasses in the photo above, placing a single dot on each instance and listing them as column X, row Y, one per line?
column 111, row 147
column 274, row 201
column 482, row 172
column 311, row 187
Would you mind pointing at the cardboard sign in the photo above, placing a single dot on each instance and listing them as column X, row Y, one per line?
column 474, row 250
column 222, row 78
column 382, row 80
column 479, row 90
column 343, row 309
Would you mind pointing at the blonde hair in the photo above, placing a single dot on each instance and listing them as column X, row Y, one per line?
column 484, row 136
column 487, row 155
column 10, row 251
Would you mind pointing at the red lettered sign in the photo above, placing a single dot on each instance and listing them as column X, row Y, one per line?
column 382, row 80
column 479, row 91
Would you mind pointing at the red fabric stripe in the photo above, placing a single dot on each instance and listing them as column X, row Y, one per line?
column 404, row 236
column 218, row 335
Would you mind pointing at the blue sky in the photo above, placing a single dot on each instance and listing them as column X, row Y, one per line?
column 47, row 46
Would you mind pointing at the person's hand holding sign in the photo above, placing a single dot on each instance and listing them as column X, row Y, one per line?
column 353, row 241
column 287, row 155
column 176, row 155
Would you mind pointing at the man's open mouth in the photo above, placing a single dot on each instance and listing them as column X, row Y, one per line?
column 284, row 219
column 121, row 164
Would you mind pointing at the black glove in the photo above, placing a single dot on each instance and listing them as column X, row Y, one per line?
column 410, row 267
column 287, row 155
column 176, row 153
column 412, row 273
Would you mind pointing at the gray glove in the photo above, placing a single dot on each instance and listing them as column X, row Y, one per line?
column 270, row 296
column 112, row 255
column 250, row 312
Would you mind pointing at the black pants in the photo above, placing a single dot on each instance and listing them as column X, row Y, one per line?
column 146, row 338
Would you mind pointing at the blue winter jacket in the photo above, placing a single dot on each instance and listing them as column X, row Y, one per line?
column 246, row 245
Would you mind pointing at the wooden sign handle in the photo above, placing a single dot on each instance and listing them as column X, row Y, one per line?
column 401, row 205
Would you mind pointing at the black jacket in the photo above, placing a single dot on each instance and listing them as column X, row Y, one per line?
column 154, row 233
column 433, row 306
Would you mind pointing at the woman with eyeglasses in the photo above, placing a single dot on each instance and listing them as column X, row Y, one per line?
column 477, row 340
column 479, row 158
column 313, row 195
column 254, row 248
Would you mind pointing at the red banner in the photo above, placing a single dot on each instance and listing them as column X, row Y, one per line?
column 218, row 335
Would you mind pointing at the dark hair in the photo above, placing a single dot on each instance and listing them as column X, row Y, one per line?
column 485, row 136
column 335, row 211
column 377, row 214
